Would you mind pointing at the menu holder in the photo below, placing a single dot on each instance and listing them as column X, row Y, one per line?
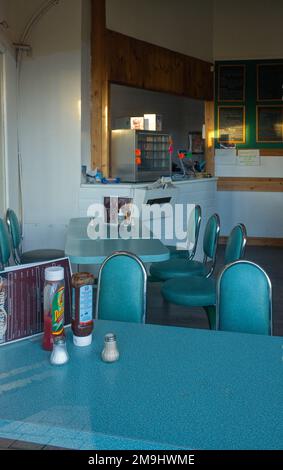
column 196, row 143
column 21, row 299
column 270, row 82
column 269, row 124
column 231, row 124
column 114, row 206
column 231, row 82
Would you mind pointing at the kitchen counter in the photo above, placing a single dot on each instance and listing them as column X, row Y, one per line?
column 149, row 183
column 181, row 193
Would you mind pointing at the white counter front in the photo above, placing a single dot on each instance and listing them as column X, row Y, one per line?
column 200, row 191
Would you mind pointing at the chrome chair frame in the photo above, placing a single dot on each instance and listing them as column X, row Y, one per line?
column 228, row 266
column 245, row 238
column 136, row 258
column 213, row 260
column 192, row 252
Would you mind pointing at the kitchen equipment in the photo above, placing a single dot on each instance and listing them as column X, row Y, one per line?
column 139, row 156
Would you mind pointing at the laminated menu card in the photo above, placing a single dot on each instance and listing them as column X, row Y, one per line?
column 21, row 299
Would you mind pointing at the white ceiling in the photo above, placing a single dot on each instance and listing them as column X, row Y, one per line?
column 16, row 14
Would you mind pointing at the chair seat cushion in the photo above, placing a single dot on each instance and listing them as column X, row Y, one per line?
column 37, row 256
column 174, row 253
column 191, row 292
column 177, row 268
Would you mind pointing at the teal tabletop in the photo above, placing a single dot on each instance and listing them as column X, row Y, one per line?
column 83, row 247
column 172, row 388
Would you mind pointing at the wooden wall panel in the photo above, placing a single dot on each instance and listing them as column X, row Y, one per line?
column 125, row 61
column 271, row 152
column 250, row 184
column 257, row 241
column 132, row 62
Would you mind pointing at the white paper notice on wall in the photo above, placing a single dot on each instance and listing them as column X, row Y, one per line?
column 248, row 157
column 226, row 156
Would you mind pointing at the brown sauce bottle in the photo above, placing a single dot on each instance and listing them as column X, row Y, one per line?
column 82, row 308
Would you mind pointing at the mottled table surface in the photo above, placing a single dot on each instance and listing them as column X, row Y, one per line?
column 172, row 388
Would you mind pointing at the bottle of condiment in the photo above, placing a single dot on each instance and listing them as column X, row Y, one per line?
column 54, row 288
column 82, row 308
column 110, row 351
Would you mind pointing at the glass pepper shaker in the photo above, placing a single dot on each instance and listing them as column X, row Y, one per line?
column 110, row 351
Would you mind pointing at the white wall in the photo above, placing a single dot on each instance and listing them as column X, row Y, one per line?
column 50, row 125
column 180, row 25
column 261, row 212
column 10, row 123
column 11, row 131
column 250, row 30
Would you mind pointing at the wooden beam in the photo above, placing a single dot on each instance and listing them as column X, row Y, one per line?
column 271, row 152
column 209, row 133
column 100, row 90
column 136, row 63
column 258, row 241
column 250, row 184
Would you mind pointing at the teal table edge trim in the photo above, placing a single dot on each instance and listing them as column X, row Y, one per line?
column 100, row 259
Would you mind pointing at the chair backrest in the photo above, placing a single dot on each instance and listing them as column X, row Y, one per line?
column 236, row 244
column 15, row 229
column 210, row 241
column 244, row 299
column 121, row 291
column 5, row 251
column 193, row 231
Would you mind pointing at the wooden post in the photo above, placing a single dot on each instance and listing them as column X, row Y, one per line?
column 209, row 136
column 100, row 90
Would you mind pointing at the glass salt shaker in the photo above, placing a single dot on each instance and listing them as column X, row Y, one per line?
column 110, row 351
column 59, row 354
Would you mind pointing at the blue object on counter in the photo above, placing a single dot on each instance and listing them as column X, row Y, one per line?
column 110, row 180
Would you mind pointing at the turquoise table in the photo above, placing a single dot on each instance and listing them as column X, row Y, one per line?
column 172, row 388
column 83, row 250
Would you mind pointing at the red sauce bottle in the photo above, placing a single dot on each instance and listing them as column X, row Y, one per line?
column 82, row 308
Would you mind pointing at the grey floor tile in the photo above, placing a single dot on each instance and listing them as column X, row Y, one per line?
column 20, row 445
column 6, row 442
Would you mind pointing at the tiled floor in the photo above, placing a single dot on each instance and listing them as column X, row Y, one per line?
column 270, row 259
column 9, row 444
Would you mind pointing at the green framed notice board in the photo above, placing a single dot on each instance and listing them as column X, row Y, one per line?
column 249, row 104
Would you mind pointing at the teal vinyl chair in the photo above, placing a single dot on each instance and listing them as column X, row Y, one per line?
column 201, row 291
column 192, row 236
column 178, row 268
column 5, row 250
column 34, row 256
column 244, row 299
column 121, row 290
